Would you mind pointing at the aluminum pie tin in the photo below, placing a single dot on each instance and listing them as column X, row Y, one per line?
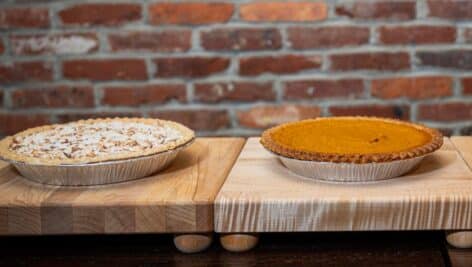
column 99, row 173
column 350, row 172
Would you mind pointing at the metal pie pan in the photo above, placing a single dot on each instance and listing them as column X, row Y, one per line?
column 99, row 173
column 350, row 172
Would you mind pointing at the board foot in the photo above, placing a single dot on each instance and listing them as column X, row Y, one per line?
column 239, row 242
column 459, row 239
column 192, row 243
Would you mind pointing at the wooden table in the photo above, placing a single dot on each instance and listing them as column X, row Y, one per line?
column 260, row 195
column 178, row 200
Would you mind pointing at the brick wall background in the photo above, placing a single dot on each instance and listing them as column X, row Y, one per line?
column 235, row 67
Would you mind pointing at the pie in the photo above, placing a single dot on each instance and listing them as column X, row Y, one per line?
column 351, row 140
column 94, row 140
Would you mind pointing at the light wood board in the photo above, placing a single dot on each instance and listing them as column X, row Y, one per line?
column 261, row 195
column 177, row 200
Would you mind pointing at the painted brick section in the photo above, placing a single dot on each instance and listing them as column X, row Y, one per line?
column 234, row 91
column 53, row 97
column 143, row 94
column 278, row 64
column 199, row 119
column 371, row 61
column 190, row 13
column 162, row 41
column 100, row 14
column 68, row 43
column 240, row 39
column 319, row 89
column 467, row 86
column 327, row 37
column 390, row 111
column 379, row 9
column 283, row 11
column 25, row 71
column 261, row 117
column 454, row 59
column 105, row 69
column 15, row 122
column 24, row 17
column 417, row 34
column 190, row 66
column 468, row 35
column 455, row 111
column 413, row 88
column 450, row 9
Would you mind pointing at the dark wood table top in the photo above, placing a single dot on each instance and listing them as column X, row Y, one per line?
column 297, row 249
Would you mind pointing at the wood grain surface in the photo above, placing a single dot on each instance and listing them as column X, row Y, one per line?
column 179, row 199
column 261, row 195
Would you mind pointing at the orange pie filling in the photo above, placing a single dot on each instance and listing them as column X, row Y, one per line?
column 359, row 137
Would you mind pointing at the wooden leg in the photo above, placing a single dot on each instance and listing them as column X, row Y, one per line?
column 239, row 242
column 459, row 239
column 192, row 243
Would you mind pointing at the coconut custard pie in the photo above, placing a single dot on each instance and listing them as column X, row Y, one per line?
column 351, row 140
column 94, row 140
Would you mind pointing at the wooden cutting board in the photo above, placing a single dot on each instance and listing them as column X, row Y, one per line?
column 178, row 200
column 261, row 195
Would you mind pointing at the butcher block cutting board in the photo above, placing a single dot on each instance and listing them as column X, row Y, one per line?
column 179, row 199
column 261, row 195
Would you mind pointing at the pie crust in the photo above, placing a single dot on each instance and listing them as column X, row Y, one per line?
column 432, row 141
column 104, row 140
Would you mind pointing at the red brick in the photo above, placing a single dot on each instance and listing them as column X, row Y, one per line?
column 283, row 11
column 190, row 13
column 454, row 59
column 100, row 14
column 197, row 119
column 266, row 116
column 454, row 111
column 2, row 47
column 467, row 86
column 331, row 36
column 278, row 64
column 72, row 116
column 190, row 66
column 143, row 94
column 163, row 41
column 371, row 61
column 468, row 35
column 1, row 98
column 25, row 71
column 413, row 88
column 53, row 97
column 389, row 111
column 24, row 17
column 68, row 43
column 446, row 131
column 384, row 10
column 417, row 34
column 236, row 39
column 316, row 89
column 234, row 91
column 15, row 122
column 105, row 69
column 447, row 9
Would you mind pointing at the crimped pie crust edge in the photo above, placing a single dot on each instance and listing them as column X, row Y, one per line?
column 7, row 154
column 279, row 149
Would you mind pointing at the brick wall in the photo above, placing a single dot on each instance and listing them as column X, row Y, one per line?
column 235, row 67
